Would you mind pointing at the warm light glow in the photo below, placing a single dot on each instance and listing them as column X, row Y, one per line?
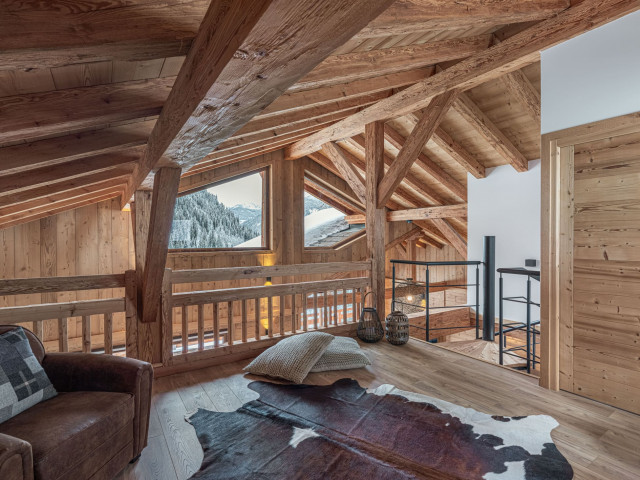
column 423, row 303
column 410, row 298
column 265, row 323
column 268, row 282
column 126, row 208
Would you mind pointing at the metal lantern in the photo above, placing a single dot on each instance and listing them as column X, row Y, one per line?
column 397, row 327
column 369, row 327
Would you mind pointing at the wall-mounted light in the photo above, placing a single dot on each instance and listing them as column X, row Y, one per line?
column 268, row 282
column 409, row 298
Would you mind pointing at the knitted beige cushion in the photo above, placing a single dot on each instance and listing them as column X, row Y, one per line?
column 291, row 358
column 343, row 353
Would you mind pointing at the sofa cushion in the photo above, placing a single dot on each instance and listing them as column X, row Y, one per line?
column 74, row 432
column 23, row 381
column 292, row 357
column 343, row 353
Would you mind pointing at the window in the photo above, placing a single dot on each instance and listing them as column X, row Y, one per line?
column 324, row 225
column 228, row 214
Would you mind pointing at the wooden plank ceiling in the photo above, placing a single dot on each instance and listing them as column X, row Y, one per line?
column 95, row 96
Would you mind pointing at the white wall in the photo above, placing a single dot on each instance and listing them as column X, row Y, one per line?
column 593, row 76
column 506, row 204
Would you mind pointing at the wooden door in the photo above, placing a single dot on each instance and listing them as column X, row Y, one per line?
column 597, row 255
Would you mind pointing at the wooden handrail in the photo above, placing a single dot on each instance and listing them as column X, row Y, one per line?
column 237, row 273
column 51, row 311
column 27, row 286
column 233, row 294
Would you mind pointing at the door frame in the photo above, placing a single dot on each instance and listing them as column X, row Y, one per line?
column 556, row 280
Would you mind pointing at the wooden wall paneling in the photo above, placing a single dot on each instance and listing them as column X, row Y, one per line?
column 7, row 262
column 87, row 259
column 48, row 268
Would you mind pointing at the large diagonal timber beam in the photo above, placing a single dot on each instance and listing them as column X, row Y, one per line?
column 246, row 54
column 414, row 143
column 165, row 192
column 341, row 159
column 512, row 54
column 428, row 165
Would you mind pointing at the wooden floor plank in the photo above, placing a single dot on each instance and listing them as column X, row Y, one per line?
column 599, row 441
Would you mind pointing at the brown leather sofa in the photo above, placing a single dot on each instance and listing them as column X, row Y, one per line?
column 92, row 429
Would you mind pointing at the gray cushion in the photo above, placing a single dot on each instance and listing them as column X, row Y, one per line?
column 23, row 381
column 292, row 357
column 343, row 353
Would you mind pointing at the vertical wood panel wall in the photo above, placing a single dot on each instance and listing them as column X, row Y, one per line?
column 95, row 239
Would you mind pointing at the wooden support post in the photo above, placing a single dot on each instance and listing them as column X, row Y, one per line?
column 131, row 308
column 166, row 327
column 165, row 191
column 376, row 217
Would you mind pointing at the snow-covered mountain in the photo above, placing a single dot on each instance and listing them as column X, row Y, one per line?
column 249, row 215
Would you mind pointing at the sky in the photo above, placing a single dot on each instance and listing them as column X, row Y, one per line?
column 241, row 191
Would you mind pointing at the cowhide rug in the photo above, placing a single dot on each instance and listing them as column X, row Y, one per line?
column 341, row 431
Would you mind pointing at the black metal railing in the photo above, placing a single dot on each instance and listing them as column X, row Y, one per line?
column 412, row 284
column 529, row 327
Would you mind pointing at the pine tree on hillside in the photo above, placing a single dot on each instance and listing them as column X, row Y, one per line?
column 201, row 221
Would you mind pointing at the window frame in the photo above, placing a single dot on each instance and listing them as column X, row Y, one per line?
column 266, row 214
column 346, row 242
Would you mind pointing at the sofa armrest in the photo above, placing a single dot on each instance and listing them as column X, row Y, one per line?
column 106, row 373
column 16, row 459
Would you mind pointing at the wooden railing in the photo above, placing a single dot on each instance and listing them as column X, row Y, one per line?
column 90, row 312
column 235, row 320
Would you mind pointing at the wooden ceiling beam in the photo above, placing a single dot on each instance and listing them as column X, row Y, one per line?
column 59, row 191
column 426, row 213
column 53, row 151
column 322, row 172
column 433, row 197
column 452, row 235
column 41, row 195
column 328, row 197
column 512, row 54
column 138, row 30
column 525, row 93
column 41, row 115
column 54, row 34
column 410, row 16
column 407, row 236
column 458, row 153
column 432, row 231
column 414, row 144
column 68, row 170
column 428, row 165
column 246, row 54
column 468, row 110
column 343, row 161
column 297, row 98
column 354, row 66
column 28, row 208
column 53, row 209
column 284, row 119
